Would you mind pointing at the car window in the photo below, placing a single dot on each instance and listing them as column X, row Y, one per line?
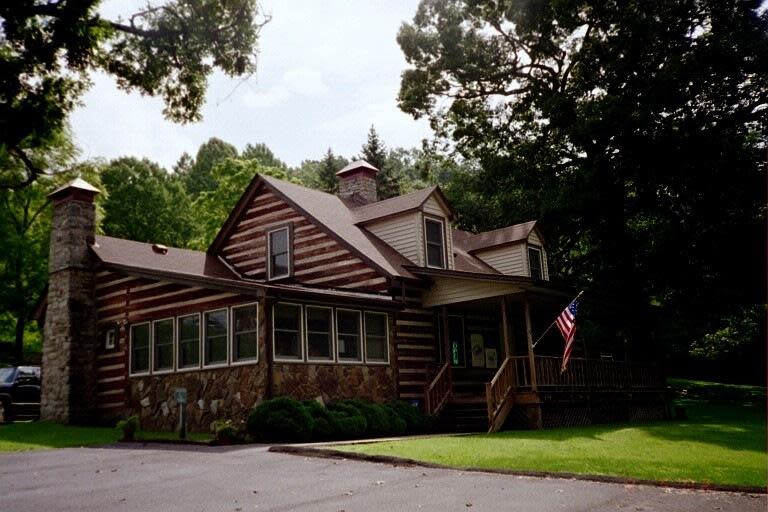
column 7, row 375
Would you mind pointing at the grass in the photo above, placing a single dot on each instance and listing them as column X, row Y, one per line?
column 723, row 441
column 42, row 435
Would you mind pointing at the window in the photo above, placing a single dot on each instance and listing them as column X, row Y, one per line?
column 162, row 336
column 433, row 236
column 110, row 338
column 456, row 346
column 348, row 334
column 140, row 348
column 319, row 336
column 189, row 341
column 376, row 346
column 534, row 262
column 215, row 347
column 279, row 258
column 286, row 319
column 245, row 333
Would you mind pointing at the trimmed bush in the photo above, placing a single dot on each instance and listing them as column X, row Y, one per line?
column 280, row 420
column 325, row 427
column 225, row 432
column 380, row 420
column 350, row 424
column 416, row 421
column 130, row 426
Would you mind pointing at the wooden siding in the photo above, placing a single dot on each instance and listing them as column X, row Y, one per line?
column 447, row 290
column 318, row 259
column 511, row 260
column 415, row 349
column 534, row 239
column 398, row 232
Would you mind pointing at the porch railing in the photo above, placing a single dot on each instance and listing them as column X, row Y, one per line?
column 438, row 391
column 498, row 393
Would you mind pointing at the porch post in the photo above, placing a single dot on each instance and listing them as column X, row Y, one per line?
column 529, row 335
column 505, row 326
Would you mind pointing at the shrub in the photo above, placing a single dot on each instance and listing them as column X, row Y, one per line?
column 225, row 432
column 280, row 420
column 350, row 424
column 380, row 420
column 416, row 421
column 325, row 426
column 129, row 426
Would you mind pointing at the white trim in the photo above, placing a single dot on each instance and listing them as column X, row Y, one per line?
column 275, row 357
column 232, row 336
column 288, row 243
column 217, row 364
column 173, row 346
column 386, row 337
column 361, row 359
column 180, row 368
column 331, row 334
column 427, row 218
column 110, row 344
column 130, row 350
column 538, row 249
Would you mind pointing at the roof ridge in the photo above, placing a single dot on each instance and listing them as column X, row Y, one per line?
column 501, row 228
column 431, row 189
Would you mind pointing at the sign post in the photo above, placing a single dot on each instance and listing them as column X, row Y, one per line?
column 181, row 398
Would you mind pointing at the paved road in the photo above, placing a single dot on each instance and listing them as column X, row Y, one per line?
column 168, row 478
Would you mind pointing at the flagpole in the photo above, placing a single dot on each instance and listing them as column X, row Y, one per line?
column 554, row 321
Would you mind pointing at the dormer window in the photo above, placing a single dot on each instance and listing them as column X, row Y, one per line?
column 434, row 239
column 534, row 262
column 279, row 253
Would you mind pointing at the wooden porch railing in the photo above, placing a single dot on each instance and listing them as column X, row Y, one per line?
column 438, row 391
column 596, row 374
column 498, row 394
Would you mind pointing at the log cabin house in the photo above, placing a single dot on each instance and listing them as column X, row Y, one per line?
column 308, row 294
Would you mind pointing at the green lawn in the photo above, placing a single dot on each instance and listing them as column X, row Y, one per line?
column 43, row 435
column 720, row 443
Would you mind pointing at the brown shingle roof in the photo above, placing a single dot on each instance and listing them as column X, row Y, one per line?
column 357, row 164
column 487, row 239
column 393, row 205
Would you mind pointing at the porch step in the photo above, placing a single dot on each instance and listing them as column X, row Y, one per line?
column 464, row 414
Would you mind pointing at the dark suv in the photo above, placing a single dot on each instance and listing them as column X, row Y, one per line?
column 19, row 393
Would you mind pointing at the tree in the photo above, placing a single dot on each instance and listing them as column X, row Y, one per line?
column 48, row 48
column 326, row 179
column 635, row 131
column 261, row 153
column 144, row 203
column 210, row 153
column 375, row 153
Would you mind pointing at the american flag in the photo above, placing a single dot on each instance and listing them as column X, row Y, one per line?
column 566, row 322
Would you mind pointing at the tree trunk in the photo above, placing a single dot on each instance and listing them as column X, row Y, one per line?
column 21, row 323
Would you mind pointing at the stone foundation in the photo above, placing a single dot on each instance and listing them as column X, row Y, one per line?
column 334, row 382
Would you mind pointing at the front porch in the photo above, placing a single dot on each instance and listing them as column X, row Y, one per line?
column 493, row 373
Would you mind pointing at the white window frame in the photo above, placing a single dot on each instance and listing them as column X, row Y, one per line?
column 180, row 368
column 289, row 243
column 130, row 350
column 426, row 242
column 541, row 260
column 110, row 338
column 333, row 356
column 301, row 357
column 232, row 351
column 173, row 345
column 361, row 360
column 385, row 361
column 204, row 329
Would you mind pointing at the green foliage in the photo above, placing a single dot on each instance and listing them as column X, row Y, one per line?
column 144, row 203
column 225, row 432
column 375, row 153
column 200, row 178
column 129, row 427
column 733, row 339
column 325, row 425
column 48, row 50
column 280, row 420
column 576, row 114
column 350, row 423
column 262, row 155
column 321, row 174
column 380, row 420
column 416, row 422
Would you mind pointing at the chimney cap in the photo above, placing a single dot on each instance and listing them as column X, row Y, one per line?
column 357, row 165
column 76, row 185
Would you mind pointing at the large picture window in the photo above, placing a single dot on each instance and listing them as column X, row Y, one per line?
column 278, row 249
column 162, row 341
column 245, row 333
column 140, row 349
column 348, row 335
column 215, row 346
column 534, row 262
column 286, row 320
column 376, row 346
column 319, row 333
column 189, row 341
column 435, row 242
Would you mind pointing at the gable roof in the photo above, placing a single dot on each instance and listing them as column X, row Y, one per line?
column 510, row 234
column 398, row 204
column 357, row 164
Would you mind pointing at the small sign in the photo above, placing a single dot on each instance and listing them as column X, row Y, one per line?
column 180, row 395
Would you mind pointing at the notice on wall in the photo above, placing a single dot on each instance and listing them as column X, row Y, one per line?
column 478, row 350
column 491, row 358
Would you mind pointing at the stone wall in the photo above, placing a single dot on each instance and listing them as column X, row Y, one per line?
column 360, row 185
column 334, row 382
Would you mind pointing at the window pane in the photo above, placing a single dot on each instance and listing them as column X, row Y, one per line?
column 434, row 232
column 189, row 341
column 245, row 335
column 319, row 333
column 163, row 338
column 216, row 337
column 375, row 337
column 287, row 331
column 534, row 261
column 278, row 241
column 139, row 348
column 348, row 329
column 435, row 255
column 279, row 266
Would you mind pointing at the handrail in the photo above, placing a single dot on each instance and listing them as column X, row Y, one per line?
column 596, row 374
column 497, row 393
column 438, row 391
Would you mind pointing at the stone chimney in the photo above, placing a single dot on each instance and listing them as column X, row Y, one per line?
column 357, row 182
column 70, row 338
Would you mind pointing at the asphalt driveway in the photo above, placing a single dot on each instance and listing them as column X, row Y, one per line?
column 168, row 478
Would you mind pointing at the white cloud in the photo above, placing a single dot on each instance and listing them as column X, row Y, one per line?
column 306, row 82
column 273, row 97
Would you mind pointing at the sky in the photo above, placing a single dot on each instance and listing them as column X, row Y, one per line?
column 327, row 71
